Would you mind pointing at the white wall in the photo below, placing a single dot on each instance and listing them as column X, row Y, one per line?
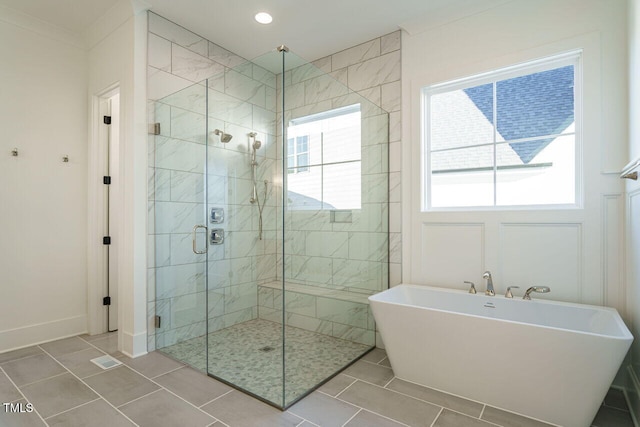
column 43, row 201
column 117, row 57
column 578, row 253
column 633, row 201
column 51, row 238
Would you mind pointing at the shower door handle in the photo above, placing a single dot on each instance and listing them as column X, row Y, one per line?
column 195, row 245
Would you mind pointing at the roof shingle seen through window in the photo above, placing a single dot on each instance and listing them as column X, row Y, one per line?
column 537, row 104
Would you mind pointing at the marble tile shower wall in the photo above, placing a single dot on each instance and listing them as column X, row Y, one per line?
column 357, row 256
column 352, row 255
column 241, row 99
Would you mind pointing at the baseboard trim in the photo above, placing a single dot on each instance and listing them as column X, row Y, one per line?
column 26, row 336
column 134, row 345
column 632, row 394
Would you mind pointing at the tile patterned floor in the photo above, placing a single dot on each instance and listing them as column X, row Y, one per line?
column 66, row 389
column 235, row 356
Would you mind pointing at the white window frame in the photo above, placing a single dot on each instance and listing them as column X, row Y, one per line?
column 296, row 168
column 530, row 67
column 315, row 117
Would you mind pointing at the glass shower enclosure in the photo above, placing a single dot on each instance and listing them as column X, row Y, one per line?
column 270, row 225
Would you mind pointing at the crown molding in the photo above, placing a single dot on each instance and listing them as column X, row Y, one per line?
column 43, row 28
column 120, row 13
column 449, row 12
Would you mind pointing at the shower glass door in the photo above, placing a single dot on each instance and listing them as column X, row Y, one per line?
column 269, row 201
column 244, row 349
column 178, row 195
column 335, row 227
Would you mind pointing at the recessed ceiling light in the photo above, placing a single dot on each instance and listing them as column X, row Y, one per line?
column 263, row 18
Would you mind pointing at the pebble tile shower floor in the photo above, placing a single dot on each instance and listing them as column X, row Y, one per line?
column 236, row 354
column 154, row 390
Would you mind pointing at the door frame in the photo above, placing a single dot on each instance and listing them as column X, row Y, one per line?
column 97, row 267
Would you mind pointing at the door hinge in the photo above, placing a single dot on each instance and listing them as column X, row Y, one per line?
column 106, row 120
column 106, row 240
column 157, row 321
column 154, row 129
column 106, row 180
column 106, row 301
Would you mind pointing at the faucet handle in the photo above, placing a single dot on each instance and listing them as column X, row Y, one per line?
column 472, row 289
column 508, row 294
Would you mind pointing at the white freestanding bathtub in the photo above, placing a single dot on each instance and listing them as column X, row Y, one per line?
column 550, row 361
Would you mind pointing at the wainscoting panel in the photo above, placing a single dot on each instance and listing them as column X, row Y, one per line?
column 452, row 253
column 633, row 297
column 613, row 252
column 542, row 254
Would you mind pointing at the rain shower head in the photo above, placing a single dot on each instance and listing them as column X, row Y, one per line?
column 224, row 137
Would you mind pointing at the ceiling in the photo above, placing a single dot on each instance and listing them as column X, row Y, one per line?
column 310, row 28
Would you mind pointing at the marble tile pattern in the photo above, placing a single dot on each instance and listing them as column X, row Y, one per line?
column 353, row 256
column 156, row 390
column 238, row 97
column 374, row 70
column 328, row 311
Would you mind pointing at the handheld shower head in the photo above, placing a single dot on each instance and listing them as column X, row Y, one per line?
column 256, row 144
column 224, row 137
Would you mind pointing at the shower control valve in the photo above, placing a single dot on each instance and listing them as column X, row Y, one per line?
column 217, row 236
column 217, row 216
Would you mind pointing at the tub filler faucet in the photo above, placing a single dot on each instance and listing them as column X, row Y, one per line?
column 489, row 291
column 539, row 289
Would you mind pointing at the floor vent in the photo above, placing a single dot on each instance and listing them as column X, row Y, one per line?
column 266, row 349
column 106, row 362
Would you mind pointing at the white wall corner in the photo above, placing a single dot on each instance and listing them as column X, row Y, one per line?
column 632, row 237
column 140, row 176
column 119, row 55
column 112, row 19
column 133, row 345
column 133, row 232
column 140, row 6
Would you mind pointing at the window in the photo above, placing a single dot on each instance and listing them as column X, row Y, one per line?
column 298, row 154
column 505, row 138
column 326, row 146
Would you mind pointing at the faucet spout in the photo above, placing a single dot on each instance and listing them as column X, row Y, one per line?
column 490, row 291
